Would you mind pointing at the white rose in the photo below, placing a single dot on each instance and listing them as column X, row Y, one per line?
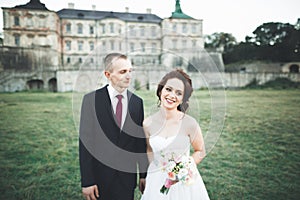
column 170, row 166
column 182, row 173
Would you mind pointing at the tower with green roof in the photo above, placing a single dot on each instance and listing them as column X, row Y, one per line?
column 178, row 14
column 182, row 35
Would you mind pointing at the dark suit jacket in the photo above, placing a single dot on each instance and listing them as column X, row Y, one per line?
column 109, row 156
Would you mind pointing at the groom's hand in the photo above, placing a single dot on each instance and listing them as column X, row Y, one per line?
column 142, row 185
column 90, row 193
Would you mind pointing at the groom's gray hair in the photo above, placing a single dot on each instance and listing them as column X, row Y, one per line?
column 111, row 58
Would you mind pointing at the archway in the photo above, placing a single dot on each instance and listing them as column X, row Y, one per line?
column 294, row 68
column 35, row 84
column 52, row 85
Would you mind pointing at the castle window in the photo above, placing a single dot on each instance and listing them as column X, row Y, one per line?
column 112, row 45
column 143, row 47
column 80, row 60
column 29, row 21
column 91, row 29
column 184, row 27
column 68, row 60
column 42, row 21
column 132, row 31
column 194, row 28
column 79, row 29
column 17, row 40
column 80, row 45
column 132, row 47
column 103, row 45
column 174, row 28
column 142, row 31
column 68, row 28
column 103, row 28
column 153, row 31
column 154, row 47
column 92, row 46
column 17, row 20
column 111, row 26
column 68, row 45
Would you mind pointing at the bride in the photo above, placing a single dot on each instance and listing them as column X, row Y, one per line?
column 172, row 173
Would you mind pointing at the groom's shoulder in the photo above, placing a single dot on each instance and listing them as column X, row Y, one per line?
column 134, row 96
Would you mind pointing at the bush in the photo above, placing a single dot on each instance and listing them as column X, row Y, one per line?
column 278, row 83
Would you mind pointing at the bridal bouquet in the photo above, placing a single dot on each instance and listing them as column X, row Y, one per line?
column 179, row 169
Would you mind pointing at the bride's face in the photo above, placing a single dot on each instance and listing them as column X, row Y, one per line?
column 172, row 93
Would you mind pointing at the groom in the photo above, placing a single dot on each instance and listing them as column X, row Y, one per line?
column 112, row 146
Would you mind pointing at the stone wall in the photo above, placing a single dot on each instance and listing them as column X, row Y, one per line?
column 236, row 80
column 19, row 80
column 89, row 80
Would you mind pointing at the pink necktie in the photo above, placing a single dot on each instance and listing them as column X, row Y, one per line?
column 119, row 110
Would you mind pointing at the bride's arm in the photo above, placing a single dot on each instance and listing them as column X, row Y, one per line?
column 197, row 142
column 146, row 124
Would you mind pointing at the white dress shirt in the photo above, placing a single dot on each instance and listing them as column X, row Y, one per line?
column 114, row 100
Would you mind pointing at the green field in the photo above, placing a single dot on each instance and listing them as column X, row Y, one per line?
column 256, row 157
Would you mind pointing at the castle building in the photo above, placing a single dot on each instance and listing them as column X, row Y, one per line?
column 41, row 45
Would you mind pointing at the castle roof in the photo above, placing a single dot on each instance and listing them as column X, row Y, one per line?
column 33, row 4
column 97, row 15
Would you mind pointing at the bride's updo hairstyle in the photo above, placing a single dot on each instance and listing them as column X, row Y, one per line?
column 187, row 82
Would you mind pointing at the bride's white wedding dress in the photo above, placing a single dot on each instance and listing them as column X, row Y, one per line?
column 156, row 177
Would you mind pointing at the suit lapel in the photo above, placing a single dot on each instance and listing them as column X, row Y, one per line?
column 128, row 108
column 103, row 101
column 105, row 115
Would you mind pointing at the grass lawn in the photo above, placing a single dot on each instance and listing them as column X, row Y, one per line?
column 256, row 157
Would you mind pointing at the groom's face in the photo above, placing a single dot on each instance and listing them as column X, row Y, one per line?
column 120, row 74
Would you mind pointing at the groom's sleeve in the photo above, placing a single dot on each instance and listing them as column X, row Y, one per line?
column 85, row 158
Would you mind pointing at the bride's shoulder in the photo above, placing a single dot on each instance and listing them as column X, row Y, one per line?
column 189, row 119
column 149, row 120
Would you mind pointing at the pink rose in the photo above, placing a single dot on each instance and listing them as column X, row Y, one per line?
column 168, row 183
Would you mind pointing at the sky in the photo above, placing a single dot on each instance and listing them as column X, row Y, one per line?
column 238, row 17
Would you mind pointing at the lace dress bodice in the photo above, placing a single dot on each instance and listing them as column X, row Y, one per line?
column 163, row 148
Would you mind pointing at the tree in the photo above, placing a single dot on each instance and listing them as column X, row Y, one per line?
column 272, row 33
column 276, row 42
column 220, row 41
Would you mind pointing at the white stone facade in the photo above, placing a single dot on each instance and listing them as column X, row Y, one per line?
column 62, row 44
